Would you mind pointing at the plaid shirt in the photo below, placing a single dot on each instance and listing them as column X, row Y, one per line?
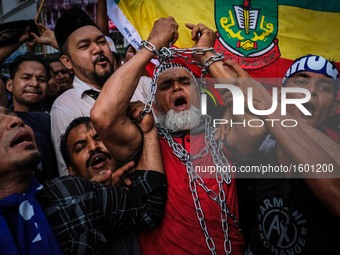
column 87, row 216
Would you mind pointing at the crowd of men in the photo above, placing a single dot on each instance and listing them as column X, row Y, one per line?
column 87, row 169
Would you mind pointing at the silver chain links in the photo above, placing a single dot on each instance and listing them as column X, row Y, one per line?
column 165, row 55
column 218, row 158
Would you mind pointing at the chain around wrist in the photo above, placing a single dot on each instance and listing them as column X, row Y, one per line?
column 149, row 46
column 211, row 60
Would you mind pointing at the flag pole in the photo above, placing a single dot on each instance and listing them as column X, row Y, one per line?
column 39, row 10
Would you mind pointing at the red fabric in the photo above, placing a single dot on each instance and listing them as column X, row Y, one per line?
column 197, row 71
column 180, row 231
column 333, row 133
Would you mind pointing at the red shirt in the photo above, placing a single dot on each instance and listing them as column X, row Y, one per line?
column 180, row 231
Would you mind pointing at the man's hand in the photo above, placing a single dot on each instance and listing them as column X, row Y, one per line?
column 25, row 37
column 115, row 178
column 147, row 123
column 261, row 98
column 203, row 36
column 46, row 37
column 164, row 32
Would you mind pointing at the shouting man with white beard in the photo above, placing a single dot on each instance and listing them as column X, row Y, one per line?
column 185, row 133
column 201, row 214
column 182, row 115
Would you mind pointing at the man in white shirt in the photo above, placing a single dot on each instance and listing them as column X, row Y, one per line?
column 86, row 52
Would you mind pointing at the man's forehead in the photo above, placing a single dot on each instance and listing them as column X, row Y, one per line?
column 85, row 33
column 311, row 75
column 314, row 76
column 83, row 129
column 174, row 72
column 28, row 63
column 57, row 64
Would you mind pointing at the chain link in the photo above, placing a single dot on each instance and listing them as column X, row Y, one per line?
column 221, row 177
column 165, row 55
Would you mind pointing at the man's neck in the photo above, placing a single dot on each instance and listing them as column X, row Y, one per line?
column 24, row 108
column 91, row 84
column 14, row 183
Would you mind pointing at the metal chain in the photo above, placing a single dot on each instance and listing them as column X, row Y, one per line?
column 221, row 176
column 218, row 159
column 165, row 55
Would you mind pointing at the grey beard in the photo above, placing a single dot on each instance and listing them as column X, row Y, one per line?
column 178, row 121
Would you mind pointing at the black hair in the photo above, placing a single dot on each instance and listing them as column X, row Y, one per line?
column 127, row 48
column 64, row 48
column 86, row 121
column 337, row 67
column 54, row 59
column 117, row 58
column 14, row 66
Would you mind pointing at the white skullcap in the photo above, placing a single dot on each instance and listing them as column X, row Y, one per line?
column 111, row 44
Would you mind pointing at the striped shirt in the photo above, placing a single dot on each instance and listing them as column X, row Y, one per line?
column 87, row 216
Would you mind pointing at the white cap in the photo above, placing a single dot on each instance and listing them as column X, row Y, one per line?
column 111, row 44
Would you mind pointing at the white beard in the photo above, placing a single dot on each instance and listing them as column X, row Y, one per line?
column 178, row 121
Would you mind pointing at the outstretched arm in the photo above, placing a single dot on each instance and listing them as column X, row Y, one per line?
column 8, row 49
column 302, row 144
column 309, row 147
column 228, row 72
column 109, row 113
column 101, row 17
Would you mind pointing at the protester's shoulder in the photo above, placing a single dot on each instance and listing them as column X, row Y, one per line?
column 40, row 116
column 69, row 187
column 145, row 80
column 67, row 96
column 71, row 104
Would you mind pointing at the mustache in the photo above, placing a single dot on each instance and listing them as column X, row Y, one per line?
column 94, row 153
column 30, row 90
column 101, row 58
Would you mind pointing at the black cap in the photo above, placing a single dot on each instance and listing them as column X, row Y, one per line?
column 10, row 32
column 69, row 21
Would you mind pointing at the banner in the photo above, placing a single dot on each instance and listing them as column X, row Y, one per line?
column 262, row 37
column 52, row 9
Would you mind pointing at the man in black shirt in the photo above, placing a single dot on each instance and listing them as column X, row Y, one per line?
column 81, row 214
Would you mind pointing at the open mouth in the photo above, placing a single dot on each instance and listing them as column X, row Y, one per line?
column 62, row 81
column 101, row 60
column 97, row 160
column 20, row 139
column 180, row 103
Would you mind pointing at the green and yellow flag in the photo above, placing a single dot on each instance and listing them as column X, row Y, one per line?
column 264, row 37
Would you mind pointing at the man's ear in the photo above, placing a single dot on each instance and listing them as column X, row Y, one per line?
column 154, row 107
column 9, row 85
column 71, row 172
column 66, row 61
